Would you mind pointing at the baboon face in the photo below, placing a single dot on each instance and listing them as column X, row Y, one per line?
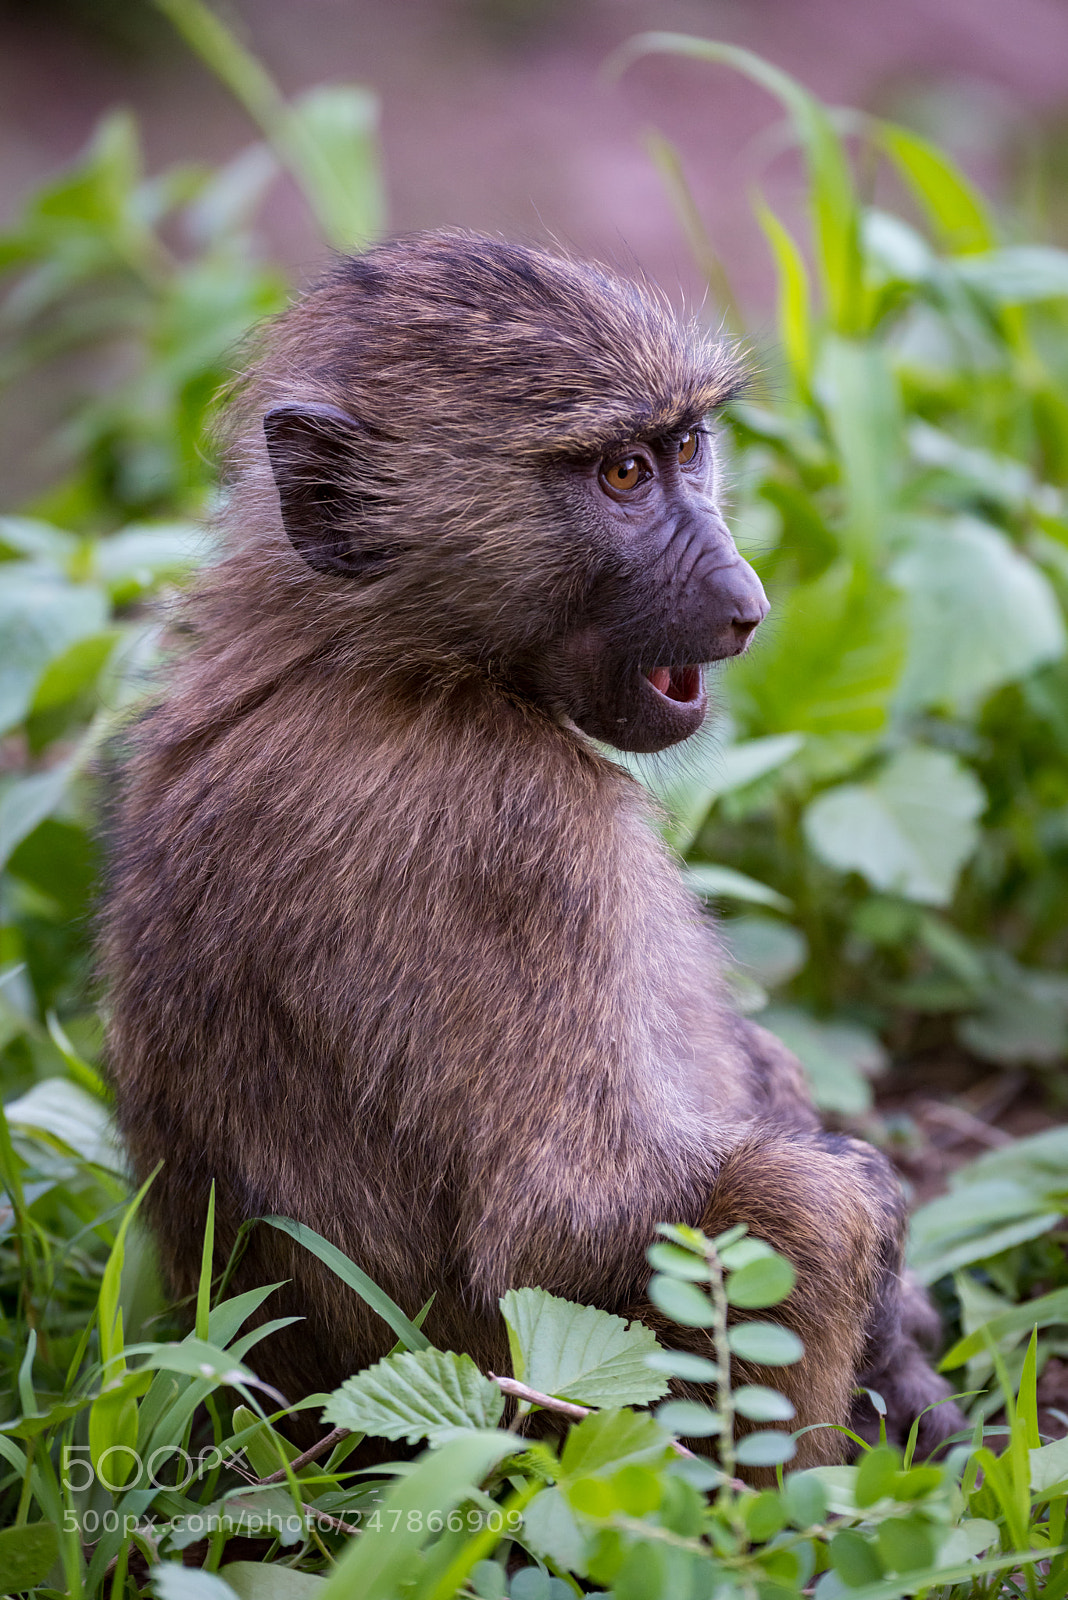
column 519, row 472
column 669, row 595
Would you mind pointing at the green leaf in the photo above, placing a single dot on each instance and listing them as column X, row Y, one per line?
column 1049, row 1466
column 27, row 1554
column 771, row 952
column 683, row 1364
column 955, row 210
column 906, row 1544
column 1049, row 1310
column 173, row 1581
column 856, row 386
column 269, row 1580
column 759, row 1404
column 723, row 883
column 608, row 1440
column 876, row 1475
column 579, row 1352
column 793, row 306
column 64, row 1111
column 1018, row 275
column 689, row 1419
column 805, row 1499
column 26, row 802
column 551, row 1532
column 766, row 1449
column 910, row 829
column 41, row 617
column 408, row 1334
column 832, row 200
column 832, row 663
column 415, row 1395
column 332, row 132
column 854, row 1559
column 838, row 1057
column 678, row 1263
column 761, row 1283
column 765, row 1343
column 682, row 1302
column 964, row 581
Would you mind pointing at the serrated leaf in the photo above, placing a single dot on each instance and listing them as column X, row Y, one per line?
column 765, row 1343
column 610, row 1439
column 909, row 830
column 424, row 1394
column 578, row 1352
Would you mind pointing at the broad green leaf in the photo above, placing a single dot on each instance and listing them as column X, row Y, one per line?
column 771, row 952
column 607, row 1440
column 765, row 1343
column 877, row 1474
column 838, row 1057
column 906, row 1544
column 551, row 1531
column 579, row 1352
column 677, row 1263
column 1049, row 1466
column 415, row 1395
column 769, row 1448
column 1049, row 1310
column 856, row 386
column 761, row 1404
column 724, row 883
column 766, row 1282
column 1021, row 1021
column 832, row 663
column 806, row 1499
column 329, row 1254
column 689, row 1419
column 1018, row 275
column 62, row 1109
column 985, row 1246
column 909, row 830
column 955, row 210
column 684, row 1303
column 27, row 1554
column 854, row 1559
column 143, row 555
column 269, row 1580
column 40, row 618
column 965, row 582
column 26, row 802
column 688, row 783
column 171, row 1580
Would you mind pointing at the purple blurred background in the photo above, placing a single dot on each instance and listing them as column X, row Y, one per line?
column 494, row 115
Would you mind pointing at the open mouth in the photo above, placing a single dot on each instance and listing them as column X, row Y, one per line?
column 681, row 684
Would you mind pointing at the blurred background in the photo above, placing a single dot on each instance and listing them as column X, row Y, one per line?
column 494, row 115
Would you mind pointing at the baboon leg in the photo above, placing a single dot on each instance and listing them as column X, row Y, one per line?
column 832, row 1206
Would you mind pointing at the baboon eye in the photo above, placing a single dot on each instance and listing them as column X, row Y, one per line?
column 625, row 474
column 688, row 447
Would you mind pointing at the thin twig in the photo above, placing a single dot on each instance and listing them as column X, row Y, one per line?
column 566, row 1408
column 965, row 1125
column 316, row 1450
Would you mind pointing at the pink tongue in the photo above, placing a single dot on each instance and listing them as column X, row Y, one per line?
column 661, row 679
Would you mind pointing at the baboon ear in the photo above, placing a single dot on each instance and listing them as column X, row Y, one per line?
column 314, row 450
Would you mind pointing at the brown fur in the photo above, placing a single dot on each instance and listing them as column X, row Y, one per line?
column 392, row 949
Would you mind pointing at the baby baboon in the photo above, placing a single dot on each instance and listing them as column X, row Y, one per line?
column 393, row 948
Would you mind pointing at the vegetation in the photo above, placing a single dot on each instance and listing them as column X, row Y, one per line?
column 882, row 810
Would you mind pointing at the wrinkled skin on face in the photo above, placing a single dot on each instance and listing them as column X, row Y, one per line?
column 671, row 595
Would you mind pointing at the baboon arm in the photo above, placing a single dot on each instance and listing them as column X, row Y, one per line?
column 833, row 1207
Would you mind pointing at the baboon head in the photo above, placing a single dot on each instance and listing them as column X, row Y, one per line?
column 497, row 459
